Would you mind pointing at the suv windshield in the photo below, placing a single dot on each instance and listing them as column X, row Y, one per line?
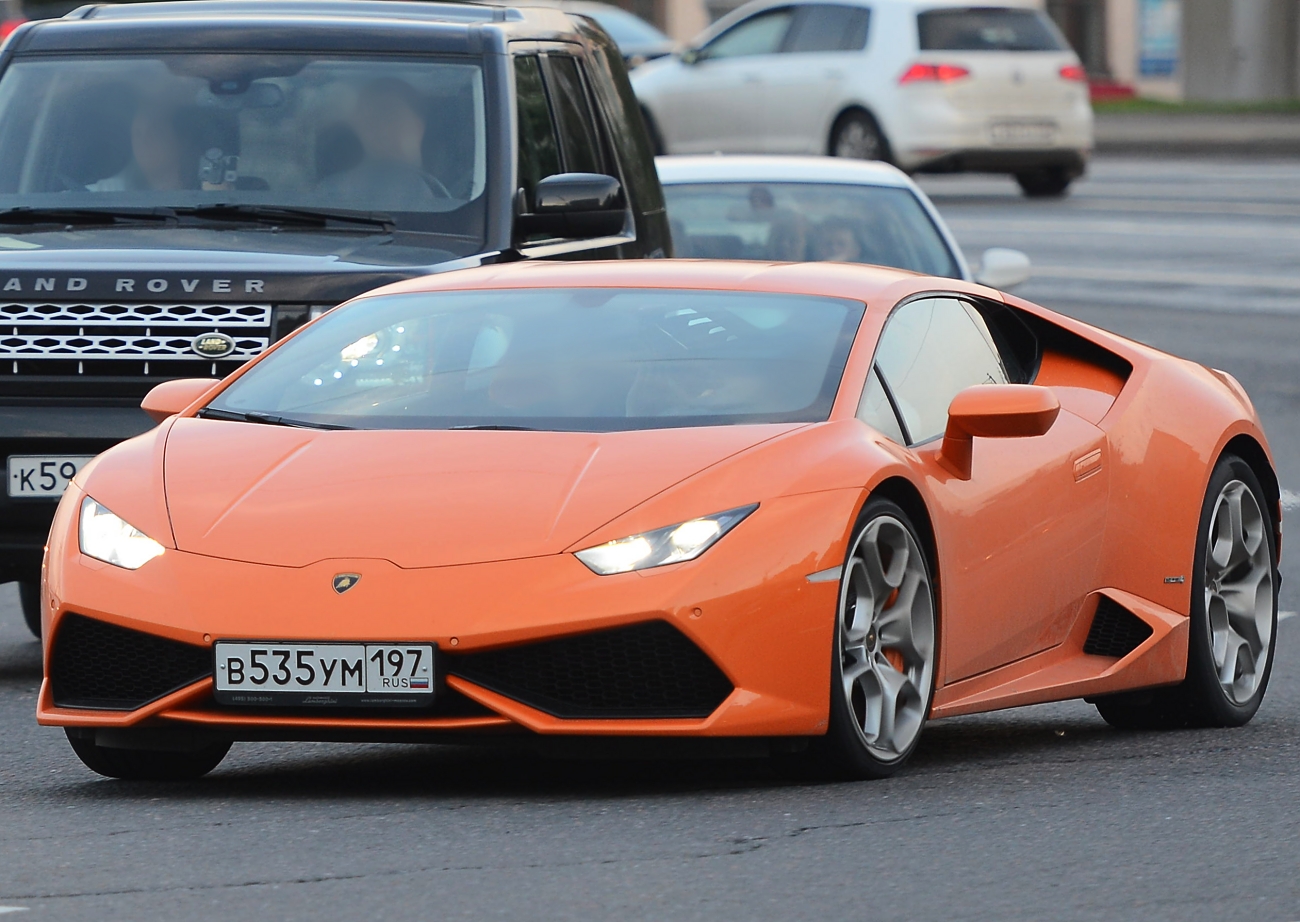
column 796, row 222
column 557, row 359
column 398, row 136
column 988, row 29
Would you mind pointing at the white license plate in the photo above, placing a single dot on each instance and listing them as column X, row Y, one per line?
column 43, row 475
column 1023, row 133
column 324, row 674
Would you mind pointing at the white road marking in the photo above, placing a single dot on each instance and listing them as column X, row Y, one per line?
column 1290, row 499
column 5, row 909
column 1159, row 277
column 1283, row 615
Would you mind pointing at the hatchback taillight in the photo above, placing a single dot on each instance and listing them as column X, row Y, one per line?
column 1074, row 72
column 934, row 73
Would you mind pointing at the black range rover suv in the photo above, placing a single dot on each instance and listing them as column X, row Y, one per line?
column 182, row 184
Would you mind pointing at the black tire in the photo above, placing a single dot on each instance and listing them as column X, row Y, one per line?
column 1045, row 182
column 148, row 764
column 29, row 597
column 845, row 751
column 857, row 136
column 1201, row 700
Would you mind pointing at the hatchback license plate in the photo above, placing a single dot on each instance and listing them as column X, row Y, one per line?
column 1023, row 133
column 43, row 476
column 324, row 674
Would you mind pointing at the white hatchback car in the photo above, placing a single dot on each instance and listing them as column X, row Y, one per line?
column 928, row 85
column 797, row 209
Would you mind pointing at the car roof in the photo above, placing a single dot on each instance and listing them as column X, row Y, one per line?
column 762, row 168
column 381, row 25
column 834, row 280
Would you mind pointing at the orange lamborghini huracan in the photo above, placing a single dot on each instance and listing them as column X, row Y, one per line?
column 809, row 504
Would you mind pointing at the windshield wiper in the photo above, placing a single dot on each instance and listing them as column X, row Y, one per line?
column 86, row 217
column 266, row 419
column 496, row 427
column 280, row 215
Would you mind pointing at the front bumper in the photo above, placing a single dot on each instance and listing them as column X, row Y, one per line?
column 746, row 606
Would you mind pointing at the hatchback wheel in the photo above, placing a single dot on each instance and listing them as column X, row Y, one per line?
column 857, row 137
column 148, row 764
column 1045, row 182
column 882, row 677
column 1233, row 616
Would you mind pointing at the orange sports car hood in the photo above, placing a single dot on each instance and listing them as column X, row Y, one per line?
column 290, row 497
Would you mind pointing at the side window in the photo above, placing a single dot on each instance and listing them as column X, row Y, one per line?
column 760, row 34
column 826, row 27
column 539, row 153
column 875, row 410
column 578, row 134
column 930, row 350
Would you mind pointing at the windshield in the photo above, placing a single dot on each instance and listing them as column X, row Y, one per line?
column 795, row 222
column 401, row 136
column 988, row 29
column 557, row 359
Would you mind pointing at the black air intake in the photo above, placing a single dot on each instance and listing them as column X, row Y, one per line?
column 646, row 670
column 1115, row 631
column 99, row 665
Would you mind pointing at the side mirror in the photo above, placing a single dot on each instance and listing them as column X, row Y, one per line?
column 1002, row 269
column 170, row 397
column 994, row 411
column 575, row 205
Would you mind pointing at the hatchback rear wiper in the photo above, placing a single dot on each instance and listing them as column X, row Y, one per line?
column 266, row 419
column 85, row 217
column 280, row 215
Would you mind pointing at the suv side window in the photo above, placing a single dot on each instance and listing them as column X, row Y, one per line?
column 760, row 34
column 829, row 27
column 930, row 350
column 578, row 135
column 539, row 152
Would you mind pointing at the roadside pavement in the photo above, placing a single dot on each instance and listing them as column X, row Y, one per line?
column 1255, row 134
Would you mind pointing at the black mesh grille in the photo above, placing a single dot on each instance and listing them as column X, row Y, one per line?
column 647, row 670
column 1115, row 631
column 98, row 665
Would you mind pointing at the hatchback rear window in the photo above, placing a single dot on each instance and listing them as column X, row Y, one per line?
column 988, row 29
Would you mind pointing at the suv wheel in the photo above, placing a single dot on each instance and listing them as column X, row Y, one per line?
column 29, row 597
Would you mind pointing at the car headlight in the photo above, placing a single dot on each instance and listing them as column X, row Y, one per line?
column 684, row 541
column 106, row 537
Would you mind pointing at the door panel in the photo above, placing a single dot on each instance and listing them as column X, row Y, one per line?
column 717, row 103
column 1020, row 543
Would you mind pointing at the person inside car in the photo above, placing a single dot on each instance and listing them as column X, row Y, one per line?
column 836, row 240
column 157, row 154
column 388, row 121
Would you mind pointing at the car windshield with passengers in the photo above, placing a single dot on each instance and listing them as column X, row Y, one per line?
column 392, row 139
column 800, row 221
column 557, row 359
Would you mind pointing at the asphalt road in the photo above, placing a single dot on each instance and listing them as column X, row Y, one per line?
column 1040, row 813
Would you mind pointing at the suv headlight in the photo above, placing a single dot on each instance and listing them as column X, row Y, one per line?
column 106, row 537
column 684, row 541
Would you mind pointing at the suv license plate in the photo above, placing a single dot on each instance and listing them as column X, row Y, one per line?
column 324, row 674
column 43, row 476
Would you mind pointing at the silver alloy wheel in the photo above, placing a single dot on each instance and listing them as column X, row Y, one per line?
column 857, row 140
column 1239, row 591
column 886, row 638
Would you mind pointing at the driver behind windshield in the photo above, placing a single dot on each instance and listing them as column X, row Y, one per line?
column 157, row 154
column 388, row 120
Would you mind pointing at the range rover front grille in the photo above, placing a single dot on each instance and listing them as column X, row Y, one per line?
column 225, row 315
column 144, row 342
